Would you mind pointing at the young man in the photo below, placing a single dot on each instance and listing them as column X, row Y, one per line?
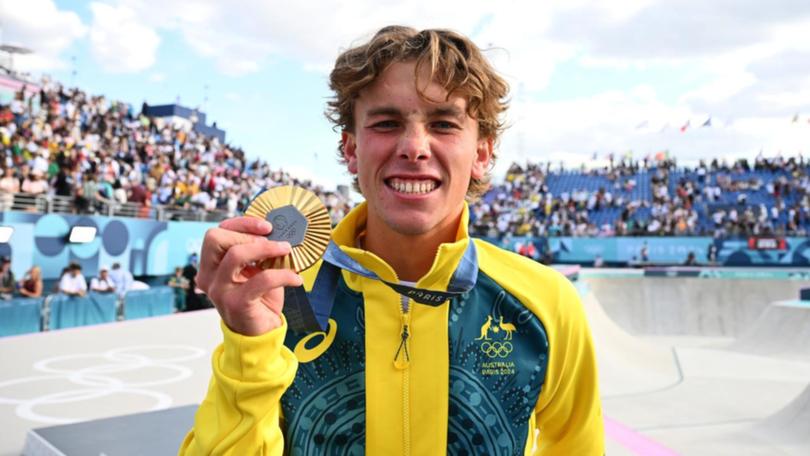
column 504, row 366
column 73, row 282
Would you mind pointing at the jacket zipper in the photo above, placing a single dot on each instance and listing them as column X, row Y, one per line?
column 402, row 361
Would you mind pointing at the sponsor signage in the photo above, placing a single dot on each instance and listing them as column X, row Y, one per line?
column 766, row 243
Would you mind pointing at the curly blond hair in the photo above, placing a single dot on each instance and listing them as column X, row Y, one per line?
column 453, row 61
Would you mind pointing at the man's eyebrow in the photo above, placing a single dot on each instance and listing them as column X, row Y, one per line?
column 384, row 111
column 441, row 111
column 448, row 111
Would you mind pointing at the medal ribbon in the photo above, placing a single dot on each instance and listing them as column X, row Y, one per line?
column 309, row 312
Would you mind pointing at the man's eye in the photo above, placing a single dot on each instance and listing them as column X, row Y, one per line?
column 444, row 125
column 385, row 125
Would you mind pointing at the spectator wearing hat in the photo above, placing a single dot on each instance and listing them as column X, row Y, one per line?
column 102, row 283
column 6, row 279
column 73, row 282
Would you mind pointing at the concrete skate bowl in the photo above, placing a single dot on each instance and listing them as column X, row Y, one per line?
column 782, row 330
column 791, row 425
column 627, row 364
column 682, row 363
column 663, row 306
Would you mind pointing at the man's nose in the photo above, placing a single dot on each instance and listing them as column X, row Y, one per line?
column 414, row 144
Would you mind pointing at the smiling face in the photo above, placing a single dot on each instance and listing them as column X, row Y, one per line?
column 413, row 157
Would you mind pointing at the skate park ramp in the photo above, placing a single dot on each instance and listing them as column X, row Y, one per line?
column 782, row 330
column 713, row 384
column 700, row 366
column 789, row 425
column 688, row 306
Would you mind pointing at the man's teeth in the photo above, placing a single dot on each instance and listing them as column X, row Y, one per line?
column 413, row 186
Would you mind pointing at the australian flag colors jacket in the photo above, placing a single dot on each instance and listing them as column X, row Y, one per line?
column 505, row 369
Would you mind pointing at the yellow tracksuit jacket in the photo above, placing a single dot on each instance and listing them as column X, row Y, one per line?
column 506, row 369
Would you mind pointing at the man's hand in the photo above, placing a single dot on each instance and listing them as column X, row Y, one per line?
column 248, row 298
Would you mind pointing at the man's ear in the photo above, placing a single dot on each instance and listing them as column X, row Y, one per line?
column 349, row 146
column 483, row 156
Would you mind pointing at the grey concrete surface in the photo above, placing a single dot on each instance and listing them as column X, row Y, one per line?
column 742, row 378
column 101, row 371
column 782, row 330
column 688, row 306
column 688, row 366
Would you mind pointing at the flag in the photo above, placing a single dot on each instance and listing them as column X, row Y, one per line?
column 660, row 155
column 708, row 123
column 685, row 126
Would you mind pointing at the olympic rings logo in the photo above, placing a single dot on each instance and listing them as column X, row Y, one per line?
column 496, row 349
column 98, row 380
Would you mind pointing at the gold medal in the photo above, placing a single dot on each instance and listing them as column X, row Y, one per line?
column 299, row 217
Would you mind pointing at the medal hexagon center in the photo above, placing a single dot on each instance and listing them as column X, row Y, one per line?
column 288, row 225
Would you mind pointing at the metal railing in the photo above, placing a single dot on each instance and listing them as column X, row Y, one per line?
column 54, row 204
column 120, row 307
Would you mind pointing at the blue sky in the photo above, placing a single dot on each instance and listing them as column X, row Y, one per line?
column 584, row 74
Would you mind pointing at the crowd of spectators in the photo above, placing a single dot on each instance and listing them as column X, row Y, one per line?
column 97, row 152
column 67, row 143
column 772, row 197
column 71, row 282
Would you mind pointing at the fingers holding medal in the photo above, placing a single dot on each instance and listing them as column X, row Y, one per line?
column 248, row 266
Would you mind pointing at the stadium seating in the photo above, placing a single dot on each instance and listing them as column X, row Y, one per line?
column 120, row 162
column 100, row 156
column 627, row 199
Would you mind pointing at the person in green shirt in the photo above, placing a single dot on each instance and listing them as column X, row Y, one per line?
column 180, row 286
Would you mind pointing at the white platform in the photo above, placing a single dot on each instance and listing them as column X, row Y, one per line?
column 101, row 371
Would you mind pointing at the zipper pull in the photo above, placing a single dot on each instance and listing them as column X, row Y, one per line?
column 403, row 359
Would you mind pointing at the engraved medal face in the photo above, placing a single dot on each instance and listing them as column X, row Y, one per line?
column 288, row 225
column 298, row 217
